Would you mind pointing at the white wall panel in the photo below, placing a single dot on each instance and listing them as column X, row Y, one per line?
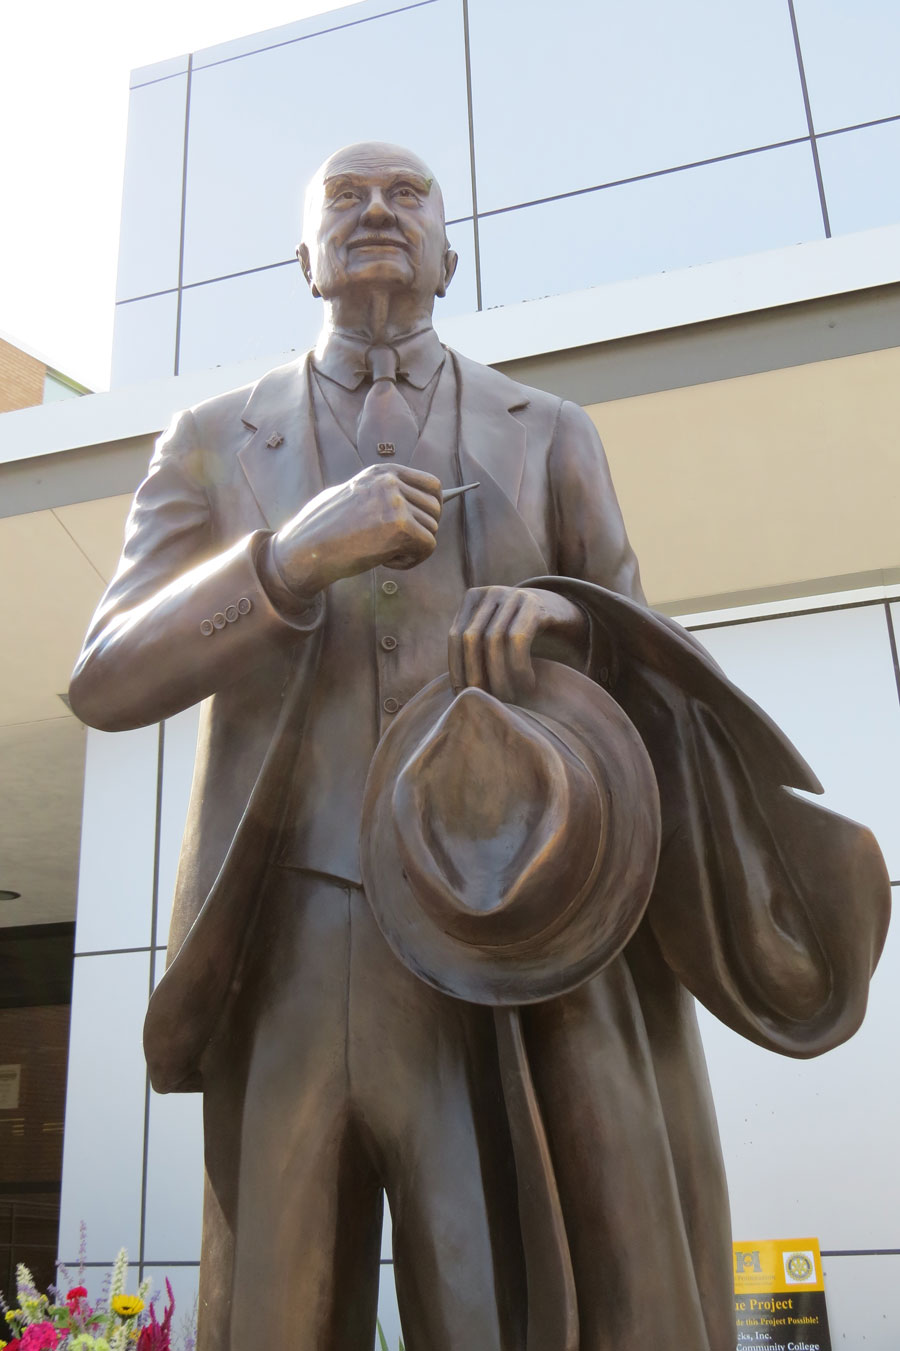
column 104, row 1131
column 828, row 680
column 118, row 840
column 810, row 1145
column 861, row 1297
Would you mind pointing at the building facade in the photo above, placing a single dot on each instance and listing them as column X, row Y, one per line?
column 685, row 218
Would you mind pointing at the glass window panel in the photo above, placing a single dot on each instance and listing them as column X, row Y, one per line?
column 103, row 1151
column 797, row 669
column 159, row 70
column 388, row 1311
column 261, row 125
column 608, row 90
column 179, row 745
column 174, row 1177
column 184, row 1281
column 150, row 237
column 256, row 314
column 861, row 174
column 851, row 57
column 343, row 17
column 721, row 210
column 118, row 840
column 144, row 339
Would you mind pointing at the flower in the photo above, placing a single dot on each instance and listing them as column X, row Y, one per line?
column 40, row 1337
column 76, row 1295
column 127, row 1306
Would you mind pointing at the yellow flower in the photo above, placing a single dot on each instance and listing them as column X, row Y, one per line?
column 127, row 1306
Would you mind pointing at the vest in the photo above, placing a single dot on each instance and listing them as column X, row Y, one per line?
column 385, row 637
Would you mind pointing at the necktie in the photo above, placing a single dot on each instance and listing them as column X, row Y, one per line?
column 386, row 426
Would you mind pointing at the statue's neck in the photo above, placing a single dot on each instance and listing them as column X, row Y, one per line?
column 378, row 316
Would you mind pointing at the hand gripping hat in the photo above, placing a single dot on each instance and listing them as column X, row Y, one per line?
column 508, row 851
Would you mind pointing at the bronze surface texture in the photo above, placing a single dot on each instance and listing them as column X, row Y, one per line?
column 470, row 828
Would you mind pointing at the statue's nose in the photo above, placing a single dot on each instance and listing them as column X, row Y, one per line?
column 377, row 211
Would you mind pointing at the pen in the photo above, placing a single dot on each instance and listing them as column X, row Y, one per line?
column 455, row 492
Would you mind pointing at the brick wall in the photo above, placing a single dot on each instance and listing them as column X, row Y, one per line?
column 21, row 379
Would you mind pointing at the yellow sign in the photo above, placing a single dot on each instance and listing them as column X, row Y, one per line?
column 779, row 1298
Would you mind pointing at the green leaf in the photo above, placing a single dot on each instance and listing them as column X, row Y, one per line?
column 381, row 1337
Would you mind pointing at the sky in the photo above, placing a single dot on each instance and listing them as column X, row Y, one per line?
column 64, row 75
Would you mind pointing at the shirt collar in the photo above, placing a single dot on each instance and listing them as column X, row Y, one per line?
column 342, row 357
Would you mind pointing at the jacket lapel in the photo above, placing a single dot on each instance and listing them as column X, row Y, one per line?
column 280, row 459
column 492, row 438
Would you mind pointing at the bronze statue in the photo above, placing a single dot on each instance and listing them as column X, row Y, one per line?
column 573, row 823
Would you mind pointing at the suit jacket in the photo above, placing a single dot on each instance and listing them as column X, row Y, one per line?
column 764, row 936
column 186, row 619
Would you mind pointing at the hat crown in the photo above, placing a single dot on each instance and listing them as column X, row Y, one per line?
column 508, row 850
column 494, row 806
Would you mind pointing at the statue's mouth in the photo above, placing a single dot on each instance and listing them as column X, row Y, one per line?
column 378, row 242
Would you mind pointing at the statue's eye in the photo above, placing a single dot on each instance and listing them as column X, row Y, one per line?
column 405, row 193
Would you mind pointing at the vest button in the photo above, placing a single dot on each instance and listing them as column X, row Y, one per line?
column 390, row 705
column 388, row 643
column 389, row 588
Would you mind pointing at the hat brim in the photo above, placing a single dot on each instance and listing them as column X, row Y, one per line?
column 580, row 938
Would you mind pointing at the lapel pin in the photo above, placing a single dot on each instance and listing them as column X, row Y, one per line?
column 275, row 440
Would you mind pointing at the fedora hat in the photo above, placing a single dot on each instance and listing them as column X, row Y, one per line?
column 508, row 851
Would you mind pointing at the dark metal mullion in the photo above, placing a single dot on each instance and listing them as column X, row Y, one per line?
column 477, row 242
column 783, row 614
column 184, row 172
column 640, row 178
column 809, row 120
column 892, row 639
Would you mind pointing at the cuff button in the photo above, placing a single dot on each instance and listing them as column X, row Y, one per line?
column 231, row 613
column 207, row 627
column 219, row 620
column 244, row 605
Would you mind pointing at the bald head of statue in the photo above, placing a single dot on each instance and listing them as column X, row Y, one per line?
column 373, row 231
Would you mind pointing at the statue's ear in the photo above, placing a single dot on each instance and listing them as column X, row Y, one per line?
column 450, row 261
column 306, row 266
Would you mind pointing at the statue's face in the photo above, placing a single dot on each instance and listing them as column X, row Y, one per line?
column 375, row 218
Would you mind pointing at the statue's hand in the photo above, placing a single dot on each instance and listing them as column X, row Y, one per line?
column 496, row 630
column 386, row 515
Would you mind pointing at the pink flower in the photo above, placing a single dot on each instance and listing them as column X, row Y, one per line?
column 39, row 1337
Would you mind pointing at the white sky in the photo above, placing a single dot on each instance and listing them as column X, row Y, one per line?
column 64, row 74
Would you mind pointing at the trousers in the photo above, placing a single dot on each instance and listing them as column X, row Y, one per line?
column 360, row 1080
column 344, row 1078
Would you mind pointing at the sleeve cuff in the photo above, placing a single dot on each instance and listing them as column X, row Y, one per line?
column 295, row 610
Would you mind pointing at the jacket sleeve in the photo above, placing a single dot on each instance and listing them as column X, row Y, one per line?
column 592, row 544
column 183, row 616
column 771, row 910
